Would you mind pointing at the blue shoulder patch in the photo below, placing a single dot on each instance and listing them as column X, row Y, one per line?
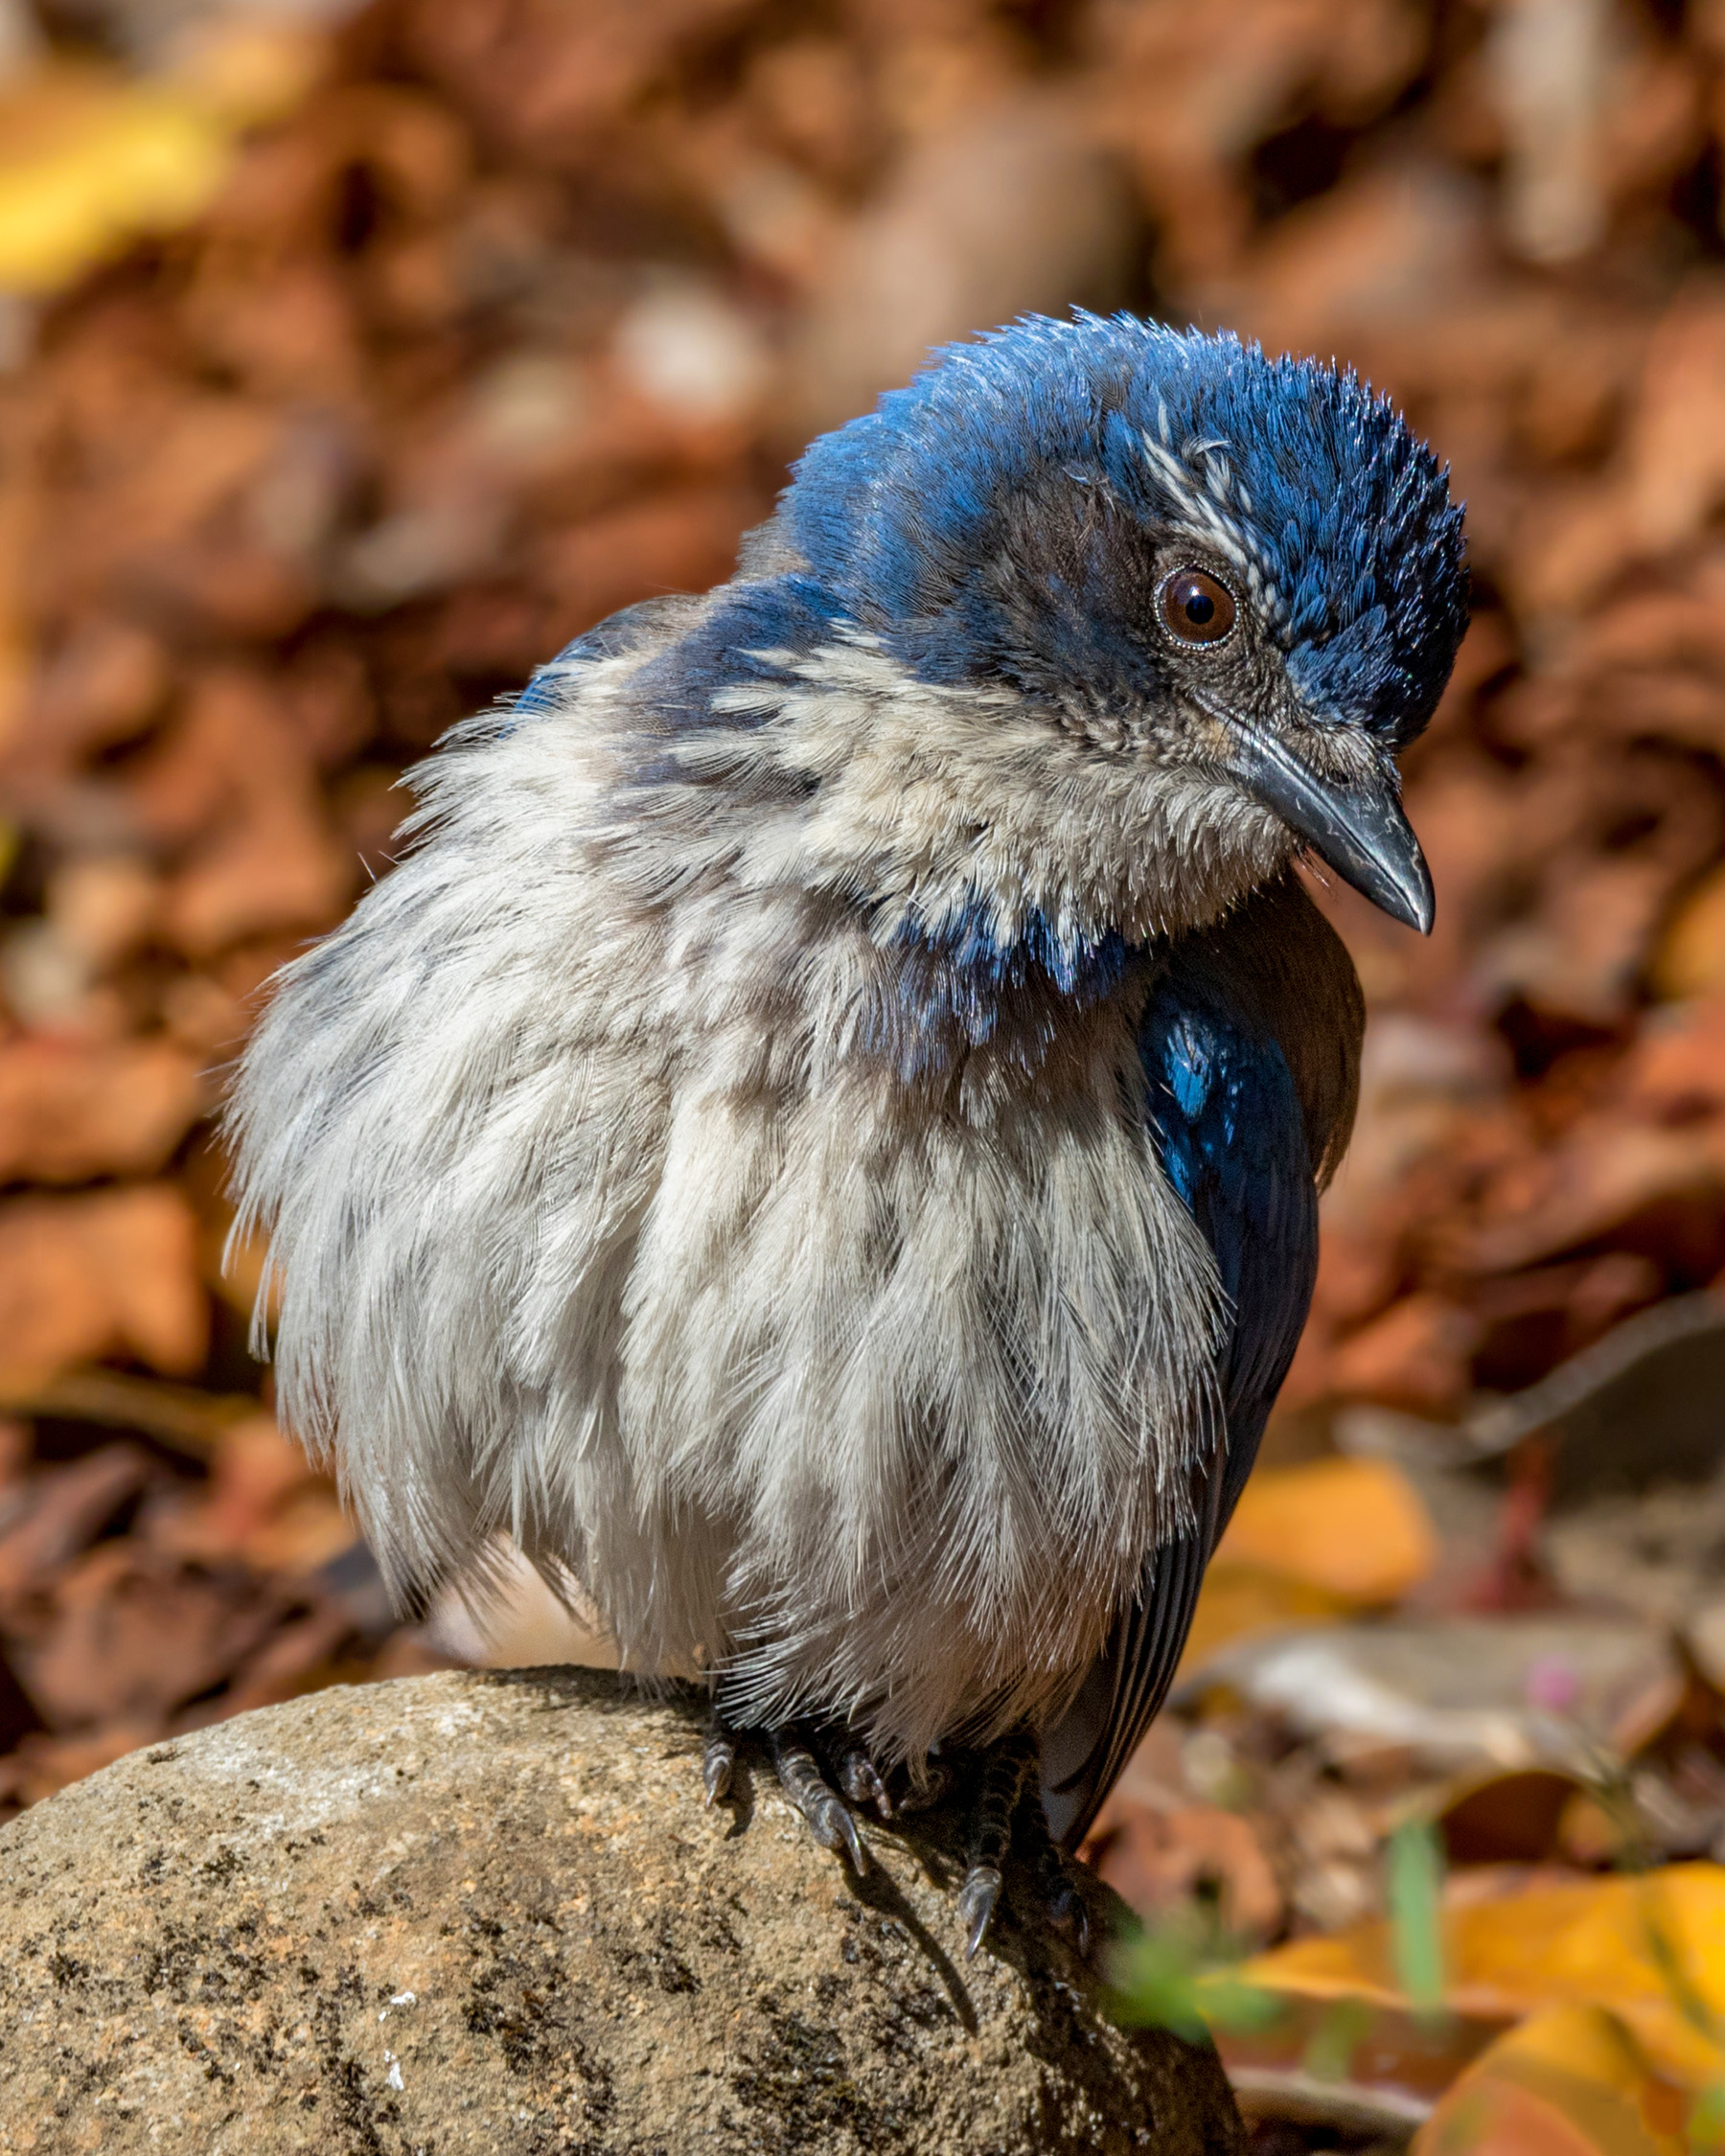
column 1231, row 1140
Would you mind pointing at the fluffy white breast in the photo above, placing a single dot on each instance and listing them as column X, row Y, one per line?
column 599, row 1216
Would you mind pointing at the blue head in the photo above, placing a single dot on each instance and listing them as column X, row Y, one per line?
column 1243, row 574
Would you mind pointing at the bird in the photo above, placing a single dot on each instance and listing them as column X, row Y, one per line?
column 817, row 1139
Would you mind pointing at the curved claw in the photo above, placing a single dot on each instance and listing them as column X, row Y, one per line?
column 977, row 1899
column 1069, row 1915
column 800, row 1777
column 860, row 1779
column 833, row 1825
column 718, row 1759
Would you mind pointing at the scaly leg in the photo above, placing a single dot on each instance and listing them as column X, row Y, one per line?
column 1060, row 1891
column 1003, row 1783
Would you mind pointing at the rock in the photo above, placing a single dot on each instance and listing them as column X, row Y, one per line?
column 485, row 1911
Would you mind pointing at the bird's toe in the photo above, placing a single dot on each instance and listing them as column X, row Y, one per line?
column 861, row 1783
column 803, row 1782
column 1069, row 1915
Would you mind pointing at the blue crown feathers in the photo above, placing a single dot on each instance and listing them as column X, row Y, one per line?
column 976, row 519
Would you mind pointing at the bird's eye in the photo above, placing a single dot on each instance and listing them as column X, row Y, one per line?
column 1195, row 608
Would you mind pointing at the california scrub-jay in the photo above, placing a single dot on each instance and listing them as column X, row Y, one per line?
column 819, row 1137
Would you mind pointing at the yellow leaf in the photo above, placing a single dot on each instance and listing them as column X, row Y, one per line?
column 1354, row 1528
column 1690, row 957
column 1650, row 1948
column 250, row 71
column 90, row 160
column 1571, row 2081
column 1310, row 1543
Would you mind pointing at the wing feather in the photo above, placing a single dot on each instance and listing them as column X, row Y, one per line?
column 1248, row 1109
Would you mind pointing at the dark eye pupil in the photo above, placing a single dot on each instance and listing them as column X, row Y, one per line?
column 1195, row 608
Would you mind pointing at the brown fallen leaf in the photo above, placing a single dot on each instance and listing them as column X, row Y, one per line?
column 1605, row 1174
column 1676, row 1072
column 130, row 1634
column 1155, row 1859
column 299, row 1656
column 254, row 1469
column 62, row 1510
column 1516, row 1818
column 301, row 1535
column 69, row 1113
column 1415, row 1356
column 89, row 1275
column 1676, row 446
column 264, row 857
column 671, row 542
column 102, row 688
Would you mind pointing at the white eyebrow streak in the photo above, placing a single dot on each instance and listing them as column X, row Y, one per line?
column 1203, row 504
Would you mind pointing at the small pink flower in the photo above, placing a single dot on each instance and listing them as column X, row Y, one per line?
column 1553, row 1683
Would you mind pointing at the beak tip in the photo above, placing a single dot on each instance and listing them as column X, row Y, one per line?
column 1359, row 830
column 1421, row 903
column 1406, row 896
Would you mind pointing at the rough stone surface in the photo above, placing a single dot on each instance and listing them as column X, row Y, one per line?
column 486, row 1912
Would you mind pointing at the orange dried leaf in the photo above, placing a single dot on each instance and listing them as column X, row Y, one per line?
column 1571, row 2081
column 115, row 1272
column 69, row 1112
column 1354, row 1528
column 1689, row 956
column 1650, row 1948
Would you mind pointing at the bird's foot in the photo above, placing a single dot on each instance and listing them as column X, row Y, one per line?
column 803, row 1782
column 1004, row 1771
column 1057, row 1883
column 998, row 1811
column 1000, row 1819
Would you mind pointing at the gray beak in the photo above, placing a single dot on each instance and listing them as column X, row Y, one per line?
column 1359, row 830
